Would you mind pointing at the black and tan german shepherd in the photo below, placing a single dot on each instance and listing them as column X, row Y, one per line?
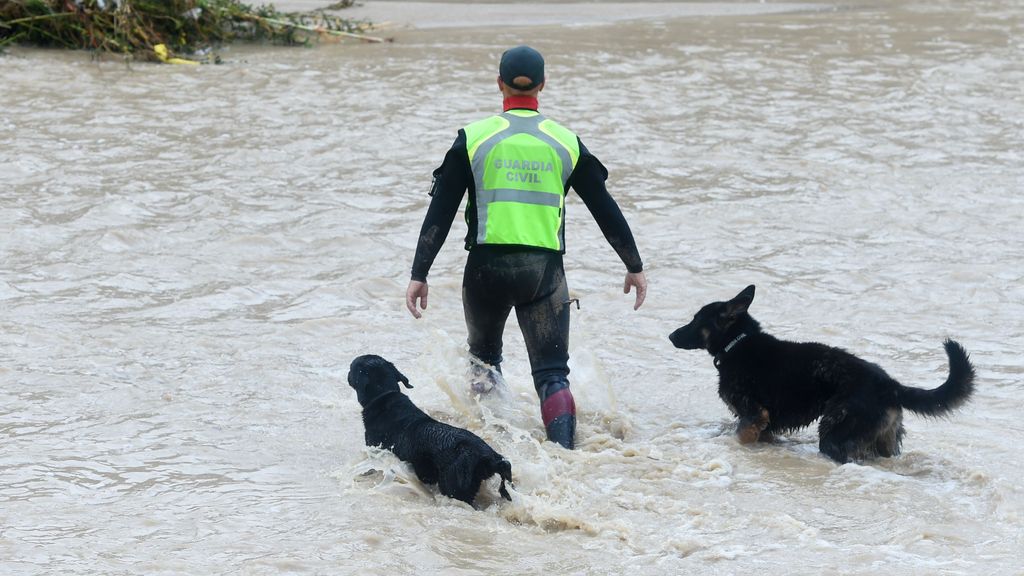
column 775, row 386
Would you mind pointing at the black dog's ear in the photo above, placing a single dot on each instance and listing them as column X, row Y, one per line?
column 741, row 302
column 402, row 378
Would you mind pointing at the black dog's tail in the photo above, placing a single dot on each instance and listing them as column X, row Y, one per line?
column 504, row 470
column 956, row 390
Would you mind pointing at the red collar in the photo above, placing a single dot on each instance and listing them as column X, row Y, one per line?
column 528, row 102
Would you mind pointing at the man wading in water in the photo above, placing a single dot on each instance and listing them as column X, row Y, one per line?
column 518, row 168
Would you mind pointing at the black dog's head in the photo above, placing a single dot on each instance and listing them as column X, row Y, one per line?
column 714, row 323
column 372, row 376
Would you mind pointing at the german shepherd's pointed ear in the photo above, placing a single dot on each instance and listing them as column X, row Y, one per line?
column 740, row 303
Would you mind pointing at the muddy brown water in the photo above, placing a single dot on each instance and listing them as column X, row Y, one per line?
column 190, row 257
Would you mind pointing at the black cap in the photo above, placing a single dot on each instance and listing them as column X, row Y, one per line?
column 521, row 61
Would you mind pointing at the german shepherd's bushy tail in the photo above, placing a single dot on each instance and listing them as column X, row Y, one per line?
column 953, row 393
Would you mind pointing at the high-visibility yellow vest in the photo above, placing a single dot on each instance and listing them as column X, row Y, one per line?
column 521, row 162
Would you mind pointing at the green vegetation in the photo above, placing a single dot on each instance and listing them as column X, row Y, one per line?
column 136, row 27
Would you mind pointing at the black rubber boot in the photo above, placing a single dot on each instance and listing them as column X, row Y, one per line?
column 484, row 378
column 558, row 410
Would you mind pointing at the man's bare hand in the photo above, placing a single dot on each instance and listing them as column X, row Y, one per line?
column 416, row 291
column 638, row 280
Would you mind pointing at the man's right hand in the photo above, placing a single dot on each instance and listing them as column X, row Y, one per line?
column 639, row 281
column 416, row 290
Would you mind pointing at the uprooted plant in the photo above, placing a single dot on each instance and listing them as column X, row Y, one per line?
column 135, row 27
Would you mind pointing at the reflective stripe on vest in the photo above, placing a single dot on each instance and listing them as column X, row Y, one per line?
column 521, row 162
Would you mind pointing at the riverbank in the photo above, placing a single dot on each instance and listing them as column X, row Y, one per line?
column 157, row 30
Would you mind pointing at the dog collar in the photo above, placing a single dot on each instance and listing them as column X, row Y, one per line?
column 735, row 341
column 379, row 398
column 729, row 346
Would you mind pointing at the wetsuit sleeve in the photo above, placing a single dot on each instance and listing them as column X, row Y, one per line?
column 451, row 179
column 588, row 180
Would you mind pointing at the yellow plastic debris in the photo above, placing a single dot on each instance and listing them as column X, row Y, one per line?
column 161, row 54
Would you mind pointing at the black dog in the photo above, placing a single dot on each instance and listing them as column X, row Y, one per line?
column 777, row 386
column 455, row 459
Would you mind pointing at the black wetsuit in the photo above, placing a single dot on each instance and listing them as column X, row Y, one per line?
column 498, row 278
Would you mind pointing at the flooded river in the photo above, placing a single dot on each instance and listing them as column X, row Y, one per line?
column 190, row 257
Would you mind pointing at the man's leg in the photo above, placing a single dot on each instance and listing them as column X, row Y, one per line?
column 484, row 376
column 545, row 326
column 486, row 309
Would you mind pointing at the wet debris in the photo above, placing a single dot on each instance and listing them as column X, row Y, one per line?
column 171, row 31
